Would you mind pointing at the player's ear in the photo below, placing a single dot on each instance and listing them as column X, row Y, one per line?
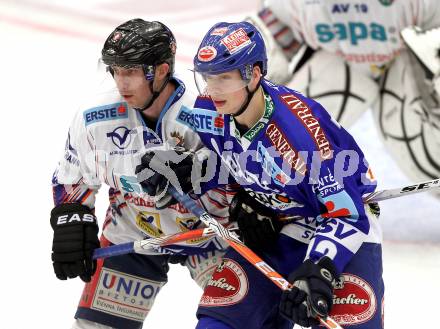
column 256, row 76
column 162, row 70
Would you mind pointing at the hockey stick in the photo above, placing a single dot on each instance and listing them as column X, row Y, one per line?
column 142, row 245
column 233, row 240
column 151, row 244
column 402, row 191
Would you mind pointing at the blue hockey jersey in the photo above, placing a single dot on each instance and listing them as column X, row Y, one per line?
column 300, row 162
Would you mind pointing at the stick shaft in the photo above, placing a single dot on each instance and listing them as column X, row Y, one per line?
column 402, row 191
column 232, row 239
column 143, row 246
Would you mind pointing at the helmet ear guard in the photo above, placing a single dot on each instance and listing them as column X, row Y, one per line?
column 149, row 71
column 246, row 72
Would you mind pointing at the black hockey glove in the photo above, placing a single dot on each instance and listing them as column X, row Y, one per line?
column 159, row 168
column 258, row 225
column 75, row 236
column 312, row 294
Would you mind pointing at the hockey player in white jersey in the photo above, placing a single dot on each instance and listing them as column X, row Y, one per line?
column 103, row 145
column 351, row 56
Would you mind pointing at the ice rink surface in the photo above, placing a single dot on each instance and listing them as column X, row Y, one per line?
column 48, row 54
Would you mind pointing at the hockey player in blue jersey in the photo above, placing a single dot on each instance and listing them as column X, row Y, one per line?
column 303, row 178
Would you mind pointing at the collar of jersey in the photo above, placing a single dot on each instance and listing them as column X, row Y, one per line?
column 177, row 94
column 260, row 124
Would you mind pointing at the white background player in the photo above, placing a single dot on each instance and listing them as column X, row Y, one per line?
column 350, row 56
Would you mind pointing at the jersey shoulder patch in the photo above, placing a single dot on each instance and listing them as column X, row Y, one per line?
column 106, row 112
column 202, row 120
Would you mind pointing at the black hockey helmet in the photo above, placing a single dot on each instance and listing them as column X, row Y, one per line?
column 139, row 42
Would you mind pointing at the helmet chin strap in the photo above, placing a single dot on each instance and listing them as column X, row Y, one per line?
column 154, row 94
column 250, row 95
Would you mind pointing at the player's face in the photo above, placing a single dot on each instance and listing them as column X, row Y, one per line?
column 132, row 85
column 227, row 91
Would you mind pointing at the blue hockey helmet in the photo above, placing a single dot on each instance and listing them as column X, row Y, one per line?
column 230, row 46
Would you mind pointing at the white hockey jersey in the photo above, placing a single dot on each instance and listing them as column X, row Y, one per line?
column 366, row 32
column 105, row 143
